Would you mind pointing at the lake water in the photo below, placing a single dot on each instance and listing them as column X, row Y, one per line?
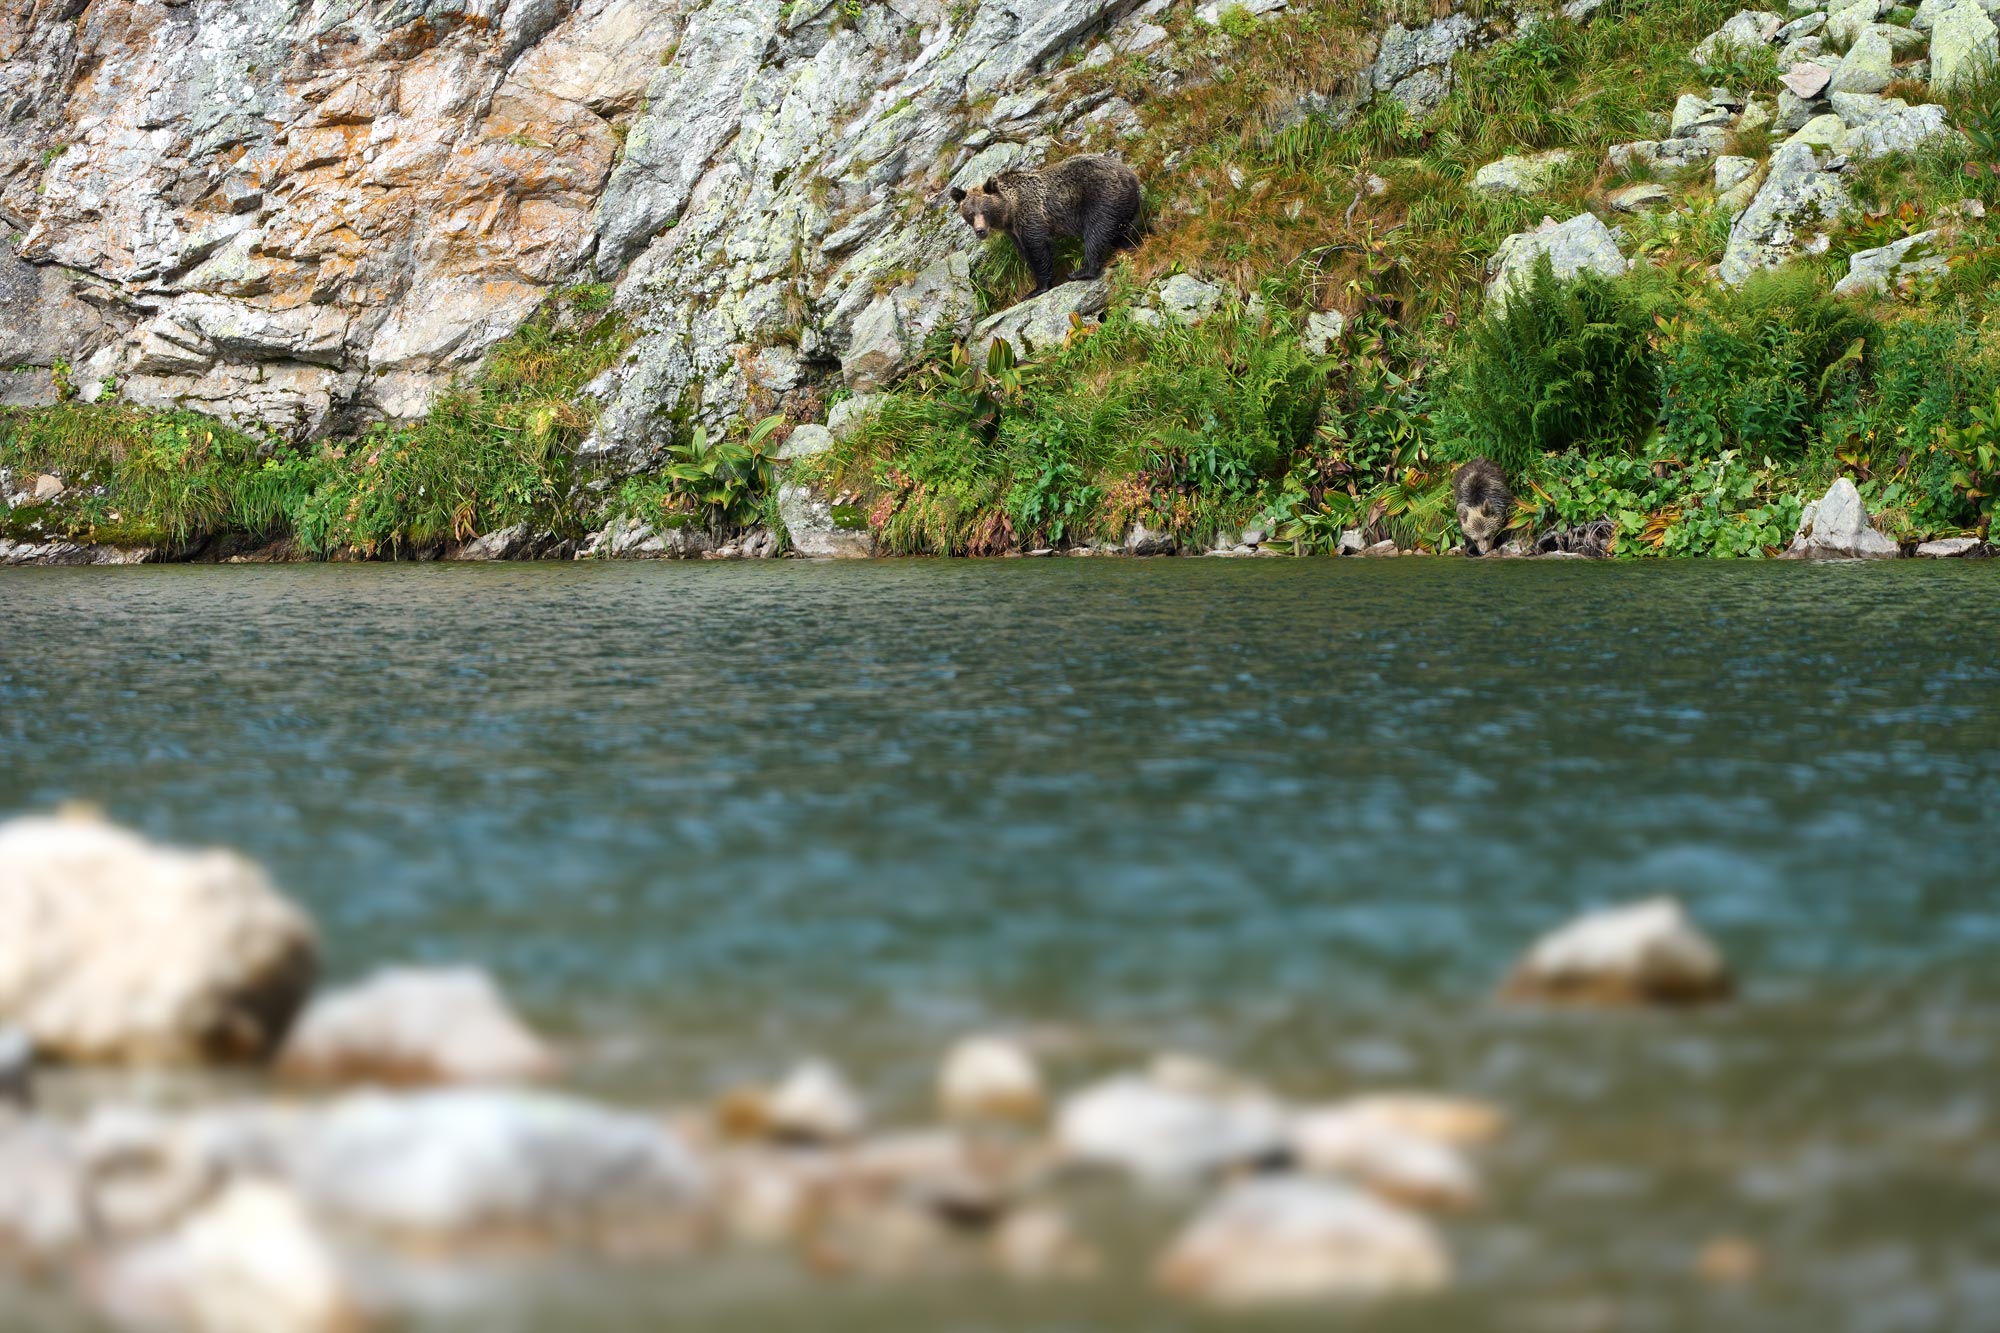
column 1297, row 816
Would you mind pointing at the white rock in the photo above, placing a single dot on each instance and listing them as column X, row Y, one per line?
column 1043, row 323
column 806, row 441
column 991, row 1077
column 416, row 1025
column 1040, row 1244
column 1454, row 1120
column 1212, row 12
column 43, row 1213
column 464, row 1164
column 1731, row 172
column 1323, row 331
column 1877, row 269
column 1795, row 196
column 1963, row 37
column 1745, row 30
column 1836, row 527
column 1946, row 548
column 1282, row 1240
column 1582, row 244
column 1164, row 1134
column 497, row 545
column 819, row 529
column 116, row 949
column 1646, row 952
column 48, row 487
column 251, row 1262
column 1368, row 1150
column 1188, row 300
column 815, row 1104
column 1526, row 174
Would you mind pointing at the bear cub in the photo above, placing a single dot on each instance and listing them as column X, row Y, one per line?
column 1094, row 197
column 1480, row 490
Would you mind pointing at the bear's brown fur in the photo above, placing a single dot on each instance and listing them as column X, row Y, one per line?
column 1480, row 490
column 1094, row 197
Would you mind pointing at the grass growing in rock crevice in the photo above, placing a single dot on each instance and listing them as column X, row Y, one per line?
column 493, row 452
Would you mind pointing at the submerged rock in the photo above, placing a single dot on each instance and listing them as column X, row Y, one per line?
column 113, row 948
column 1644, row 953
column 1836, row 527
column 991, row 1078
column 1284, row 1240
column 1167, row 1134
column 415, row 1025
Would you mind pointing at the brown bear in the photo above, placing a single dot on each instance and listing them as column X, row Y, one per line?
column 1094, row 197
column 1480, row 490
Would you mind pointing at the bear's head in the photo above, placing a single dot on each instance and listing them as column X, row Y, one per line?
column 984, row 208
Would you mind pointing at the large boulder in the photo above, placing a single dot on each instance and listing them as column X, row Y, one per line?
column 1796, row 196
column 1582, row 244
column 1528, row 173
column 1746, row 30
column 1043, row 323
column 1963, row 38
column 1285, row 1240
column 1868, row 66
column 1167, row 1133
column 1644, row 953
column 415, row 1025
column 468, row 1165
column 820, row 529
column 1874, row 271
column 1836, row 527
column 116, row 949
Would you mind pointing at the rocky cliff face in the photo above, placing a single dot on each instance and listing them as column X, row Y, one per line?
column 313, row 213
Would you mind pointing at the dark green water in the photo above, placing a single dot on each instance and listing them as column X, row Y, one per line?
column 1298, row 816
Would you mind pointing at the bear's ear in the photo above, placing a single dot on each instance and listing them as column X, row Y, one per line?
column 957, row 195
column 992, row 185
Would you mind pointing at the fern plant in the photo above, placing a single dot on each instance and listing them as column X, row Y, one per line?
column 1562, row 366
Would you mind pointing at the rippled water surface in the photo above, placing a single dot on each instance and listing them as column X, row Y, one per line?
column 1298, row 816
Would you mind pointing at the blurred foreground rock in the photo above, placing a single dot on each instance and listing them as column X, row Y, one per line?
column 475, row 1166
column 113, row 948
column 251, row 1262
column 1644, row 953
column 413, row 1026
column 1283, row 1240
column 991, row 1078
column 1167, row 1134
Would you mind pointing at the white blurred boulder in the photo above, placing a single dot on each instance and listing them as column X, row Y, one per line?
column 991, row 1078
column 415, row 1025
column 1455, row 1120
column 1646, row 952
column 815, row 1104
column 1392, row 1162
column 116, row 949
column 1284, row 1239
column 1166, row 1134
column 251, row 1262
column 465, row 1164
column 42, row 1213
